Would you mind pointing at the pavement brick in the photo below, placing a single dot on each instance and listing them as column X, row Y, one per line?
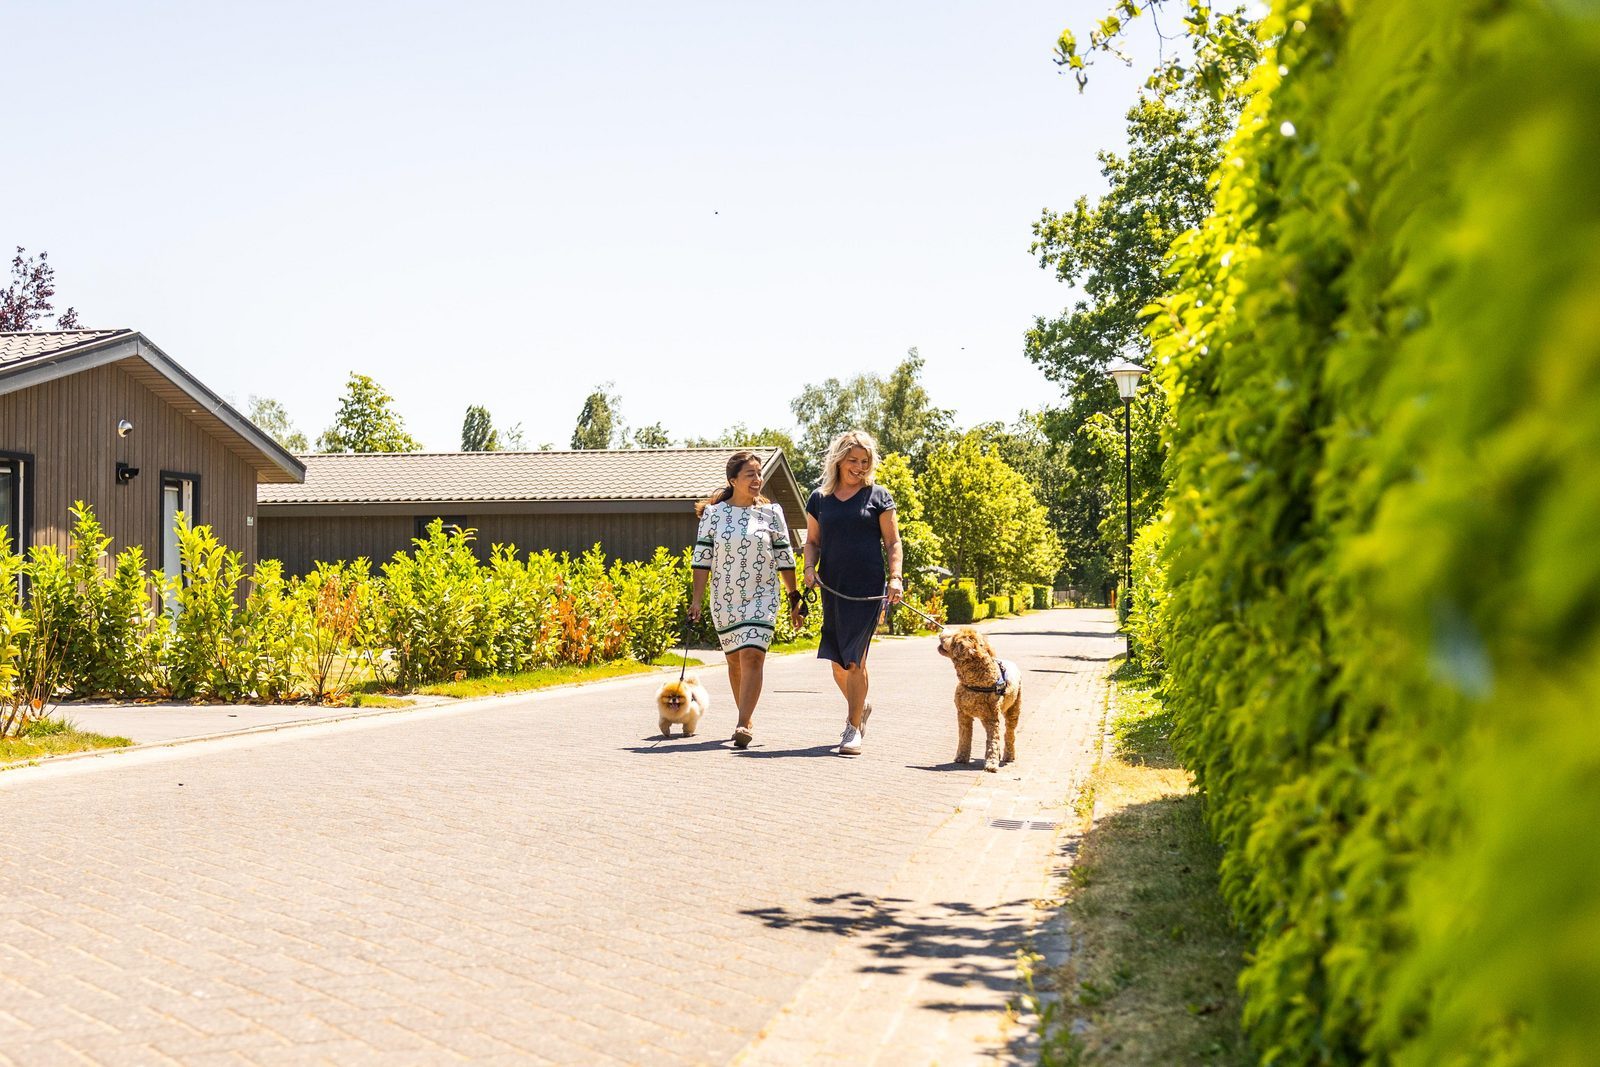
column 542, row 879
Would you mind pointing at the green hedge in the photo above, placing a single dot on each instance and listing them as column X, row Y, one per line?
column 960, row 603
column 999, row 605
column 230, row 633
column 1382, row 631
column 1041, row 597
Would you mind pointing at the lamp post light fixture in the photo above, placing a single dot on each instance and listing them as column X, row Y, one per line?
column 1127, row 374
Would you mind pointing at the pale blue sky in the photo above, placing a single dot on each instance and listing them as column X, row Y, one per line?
column 707, row 203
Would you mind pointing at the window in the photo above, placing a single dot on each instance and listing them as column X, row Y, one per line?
column 177, row 495
column 14, row 499
column 451, row 522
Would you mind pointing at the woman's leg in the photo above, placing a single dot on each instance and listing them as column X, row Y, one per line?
column 736, row 677
column 752, row 671
column 852, row 682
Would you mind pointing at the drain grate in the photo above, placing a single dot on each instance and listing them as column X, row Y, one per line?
column 1023, row 824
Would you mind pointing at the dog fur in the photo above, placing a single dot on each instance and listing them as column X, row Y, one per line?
column 976, row 664
column 682, row 702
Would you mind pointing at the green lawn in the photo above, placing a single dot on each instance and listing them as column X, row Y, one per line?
column 54, row 737
column 539, row 679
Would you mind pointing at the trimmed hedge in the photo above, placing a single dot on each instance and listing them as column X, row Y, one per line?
column 1382, row 631
column 1041, row 597
column 960, row 603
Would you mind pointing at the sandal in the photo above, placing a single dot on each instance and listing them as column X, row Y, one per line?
column 742, row 736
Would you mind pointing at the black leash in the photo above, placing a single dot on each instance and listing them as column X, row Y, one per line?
column 687, row 622
column 931, row 621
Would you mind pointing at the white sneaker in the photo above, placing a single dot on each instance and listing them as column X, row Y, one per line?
column 866, row 713
column 850, row 743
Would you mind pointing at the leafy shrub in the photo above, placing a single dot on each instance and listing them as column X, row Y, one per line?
column 439, row 612
column 1041, row 597
column 653, row 602
column 960, row 603
column 999, row 605
column 331, row 602
column 1381, row 625
column 1147, row 603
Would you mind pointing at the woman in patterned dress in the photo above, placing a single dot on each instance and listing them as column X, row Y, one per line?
column 743, row 549
column 850, row 528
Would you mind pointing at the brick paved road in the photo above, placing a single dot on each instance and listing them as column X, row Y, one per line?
column 533, row 879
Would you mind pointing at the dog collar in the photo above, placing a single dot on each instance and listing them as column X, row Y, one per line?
column 999, row 687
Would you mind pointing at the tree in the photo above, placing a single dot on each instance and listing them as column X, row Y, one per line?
column 273, row 417
column 652, row 436
column 908, row 423
column 920, row 548
column 1115, row 249
column 986, row 517
column 600, row 421
column 366, row 422
column 825, row 411
column 477, row 431
column 31, row 295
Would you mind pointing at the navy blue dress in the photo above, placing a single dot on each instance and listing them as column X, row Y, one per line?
column 851, row 562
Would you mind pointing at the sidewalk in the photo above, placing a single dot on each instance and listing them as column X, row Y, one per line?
column 541, row 878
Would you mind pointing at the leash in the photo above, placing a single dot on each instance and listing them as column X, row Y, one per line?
column 687, row 622
column 929, row 619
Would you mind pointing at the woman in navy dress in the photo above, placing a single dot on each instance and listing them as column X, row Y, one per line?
column 850, row 528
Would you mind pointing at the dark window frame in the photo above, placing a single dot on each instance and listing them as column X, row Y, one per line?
column 420, row 524
column 22, row 535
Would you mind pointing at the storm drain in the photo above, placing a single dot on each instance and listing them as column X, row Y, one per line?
column 1023, row 824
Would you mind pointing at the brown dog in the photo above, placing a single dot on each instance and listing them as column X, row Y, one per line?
column 681, row 702
column 987, row 689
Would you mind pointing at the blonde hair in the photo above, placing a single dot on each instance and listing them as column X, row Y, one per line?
column 840, row 448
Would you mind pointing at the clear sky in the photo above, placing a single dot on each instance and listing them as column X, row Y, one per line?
column 708, row 204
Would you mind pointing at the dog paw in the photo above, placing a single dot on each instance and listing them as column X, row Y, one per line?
column 992, row 767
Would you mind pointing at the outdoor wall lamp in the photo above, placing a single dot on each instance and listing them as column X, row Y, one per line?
column 126, row 474
column 1127, row 374
column 124, row 427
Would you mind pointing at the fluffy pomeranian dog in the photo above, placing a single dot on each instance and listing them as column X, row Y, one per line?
column 682, row 702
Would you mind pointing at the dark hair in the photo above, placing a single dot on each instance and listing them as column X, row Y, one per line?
column 736, row 464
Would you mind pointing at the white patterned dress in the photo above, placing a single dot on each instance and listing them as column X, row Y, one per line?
column 744, row 549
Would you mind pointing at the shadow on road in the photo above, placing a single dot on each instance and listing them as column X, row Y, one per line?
column 789, row 753
column 678, row 744
column 1058, row 633
column 977, row 945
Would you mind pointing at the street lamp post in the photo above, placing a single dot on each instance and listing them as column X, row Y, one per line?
column 1127, row 375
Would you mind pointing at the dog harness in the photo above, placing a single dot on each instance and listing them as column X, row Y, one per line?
column 999, row 687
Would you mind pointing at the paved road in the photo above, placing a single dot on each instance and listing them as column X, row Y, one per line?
column 541, row 879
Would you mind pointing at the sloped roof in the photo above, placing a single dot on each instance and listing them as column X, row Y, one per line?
column 36, row 356
column 451, row 477
column 17, row 348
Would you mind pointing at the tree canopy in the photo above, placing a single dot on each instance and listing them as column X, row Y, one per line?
column 477, row 431
column 600, row 421
column 366, row 422
column 270, row 415
column 30, row 298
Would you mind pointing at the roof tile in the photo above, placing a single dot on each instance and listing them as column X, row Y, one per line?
column 21, row 347
column 439, row 477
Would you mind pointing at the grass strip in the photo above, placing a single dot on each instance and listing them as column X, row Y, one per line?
column 543, row 678
column 1153, row 976
column 54, row 737
column 808, row 643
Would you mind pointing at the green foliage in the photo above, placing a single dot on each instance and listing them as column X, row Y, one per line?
column 270, row 415
column 1147, row 608
column 439, row 612
column 210, row 653
column 600, row 420
column 1383, row 600
column 1115, row 249
column 477, row 431
column 919, row 545
column 1041, row 597
column 366, row 422
column 652, row 596
column 986, row 517
column 999, row 605
column 897, row 411
column 960, row 602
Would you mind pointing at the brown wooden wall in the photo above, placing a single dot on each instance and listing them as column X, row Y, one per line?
column 302, row 541
column 69, row 426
